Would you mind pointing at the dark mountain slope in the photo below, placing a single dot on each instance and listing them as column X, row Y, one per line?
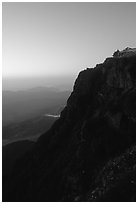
column 11, row 152
column 96, row 127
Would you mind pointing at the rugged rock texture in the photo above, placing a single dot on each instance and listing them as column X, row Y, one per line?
column 126, row 52
column 89, row 153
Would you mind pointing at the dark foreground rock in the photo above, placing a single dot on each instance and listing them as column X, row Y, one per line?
column 89, row 153
column 12, row 152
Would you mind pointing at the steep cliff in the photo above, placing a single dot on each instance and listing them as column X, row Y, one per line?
column 89, row 153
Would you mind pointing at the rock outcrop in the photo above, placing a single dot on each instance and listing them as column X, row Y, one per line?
column 89, row 153
column 125, row 53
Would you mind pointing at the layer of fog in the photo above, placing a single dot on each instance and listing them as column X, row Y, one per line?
column 60, row 82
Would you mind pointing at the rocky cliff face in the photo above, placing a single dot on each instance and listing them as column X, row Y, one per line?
column 89, row 153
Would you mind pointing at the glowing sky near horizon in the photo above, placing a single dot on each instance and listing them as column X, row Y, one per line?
column 53, row 39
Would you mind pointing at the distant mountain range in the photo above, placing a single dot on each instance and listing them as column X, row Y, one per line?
column 18, row 106
column 27, row 130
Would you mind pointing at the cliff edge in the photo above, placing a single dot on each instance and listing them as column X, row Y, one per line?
column 89, row 153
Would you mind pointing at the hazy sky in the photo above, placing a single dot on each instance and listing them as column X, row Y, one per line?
column 53, row 39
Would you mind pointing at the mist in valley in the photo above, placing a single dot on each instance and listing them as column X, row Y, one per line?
column 31, row 106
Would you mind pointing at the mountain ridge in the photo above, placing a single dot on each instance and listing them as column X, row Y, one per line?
column 96, row 126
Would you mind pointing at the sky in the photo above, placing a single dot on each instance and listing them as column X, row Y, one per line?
column 60, row 39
